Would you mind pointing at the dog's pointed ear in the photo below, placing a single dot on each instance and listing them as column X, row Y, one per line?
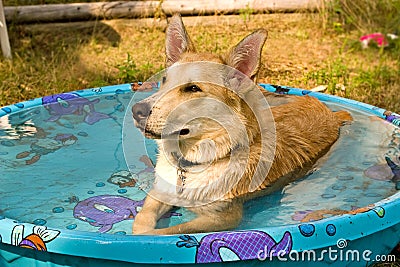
column 177, row 40
column 246, row 55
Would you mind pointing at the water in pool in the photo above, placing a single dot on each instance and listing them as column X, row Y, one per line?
column 63, row 166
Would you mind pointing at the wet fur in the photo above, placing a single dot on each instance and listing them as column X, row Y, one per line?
column 305, row 131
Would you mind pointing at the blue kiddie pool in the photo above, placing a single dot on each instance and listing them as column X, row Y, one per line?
column 68, row 195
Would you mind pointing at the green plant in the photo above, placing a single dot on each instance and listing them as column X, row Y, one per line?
column 159, row 12
column 335, row 76
column 377, row 84
column 128, row 71
column 245, row 13
column 54, row 58
column 364, row 15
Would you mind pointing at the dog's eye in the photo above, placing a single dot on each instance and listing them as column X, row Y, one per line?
column 192, row 88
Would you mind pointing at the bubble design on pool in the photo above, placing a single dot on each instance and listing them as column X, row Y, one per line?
column 69, row 150
column 62, row 166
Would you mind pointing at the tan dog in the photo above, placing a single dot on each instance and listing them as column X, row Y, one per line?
column 215, row 151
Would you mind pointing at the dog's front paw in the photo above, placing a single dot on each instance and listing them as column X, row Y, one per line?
column 162, row 231
column 142, row 224
column 139, row 229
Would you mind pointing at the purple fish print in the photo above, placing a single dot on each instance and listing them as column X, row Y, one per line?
column 392, row 117
column 244, row 245
column 106, row 210
column 71, row 103
column 396, row 172
column 394, row 168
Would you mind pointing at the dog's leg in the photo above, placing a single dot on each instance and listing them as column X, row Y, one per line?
column 147, row 218
column 212, row 218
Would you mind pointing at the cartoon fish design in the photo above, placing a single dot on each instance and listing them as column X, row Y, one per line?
column 395, row 170
column 144, row 86
column 315, row 215
column 71, row 103
column 47, row 145
column 380, row 172
column 280, row 89
column 106, row 210
column 123, row 179
column 37, row 240
column 236, row 245
column 392, row 117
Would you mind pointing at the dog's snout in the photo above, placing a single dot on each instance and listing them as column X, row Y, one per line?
column 141, row 110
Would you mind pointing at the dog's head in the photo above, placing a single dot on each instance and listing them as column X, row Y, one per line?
column 196, row 101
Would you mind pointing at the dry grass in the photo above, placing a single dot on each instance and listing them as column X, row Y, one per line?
column 364, row 15
column 51, row 58
column 42, row 2
column 303, row 50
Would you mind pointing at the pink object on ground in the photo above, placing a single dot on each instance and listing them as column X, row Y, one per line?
column 378, row 37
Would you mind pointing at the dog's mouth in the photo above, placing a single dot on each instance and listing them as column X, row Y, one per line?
column 173, row 134
column 165, row 135
column 151, row 134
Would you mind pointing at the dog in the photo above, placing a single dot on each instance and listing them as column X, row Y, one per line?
column 215, row 151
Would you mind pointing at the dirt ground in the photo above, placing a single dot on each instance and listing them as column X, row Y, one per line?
column 300, row 51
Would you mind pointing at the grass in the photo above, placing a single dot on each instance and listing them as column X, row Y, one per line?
column 370, row 75
column 53, row 58
column 43, row 2
column 303, row 50
column 364, row 15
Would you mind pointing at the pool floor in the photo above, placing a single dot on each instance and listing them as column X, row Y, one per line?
column 63, row 166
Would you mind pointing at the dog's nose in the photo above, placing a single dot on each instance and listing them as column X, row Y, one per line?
column 141, row 110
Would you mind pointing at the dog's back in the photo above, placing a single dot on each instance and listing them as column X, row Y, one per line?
column 305, row 131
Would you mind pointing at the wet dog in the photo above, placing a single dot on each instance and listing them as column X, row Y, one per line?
column 222, row 139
